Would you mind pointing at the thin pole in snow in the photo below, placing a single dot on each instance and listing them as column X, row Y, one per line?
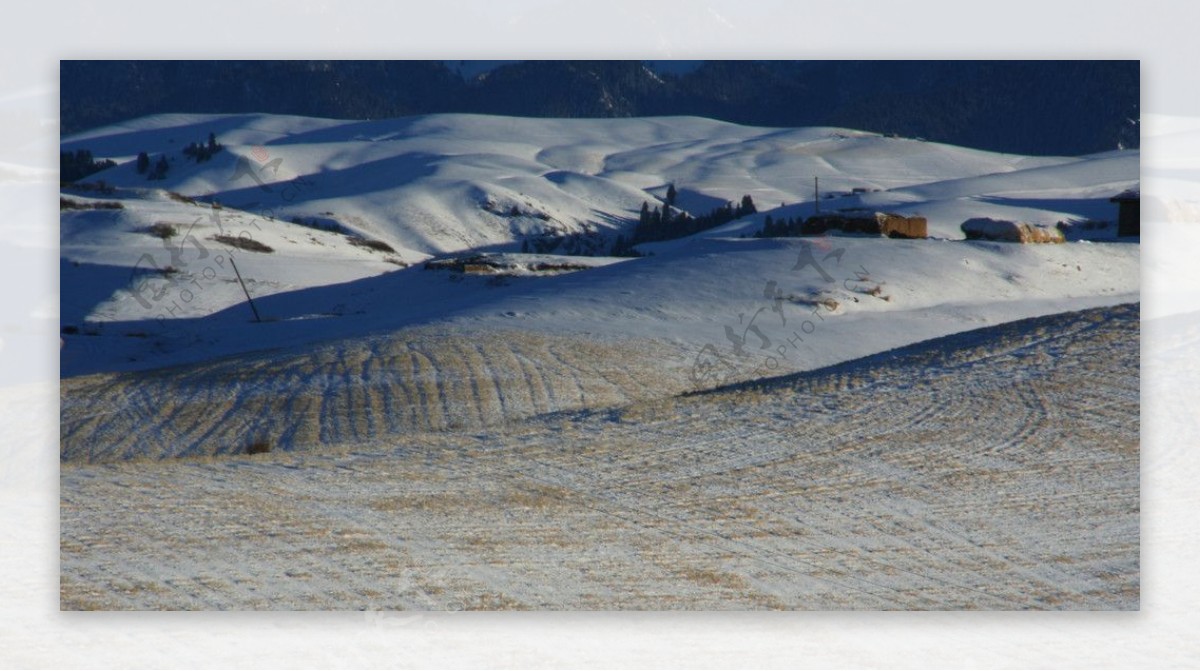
column 248, row 299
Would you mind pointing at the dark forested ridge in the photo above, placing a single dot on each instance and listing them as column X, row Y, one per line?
column 1027, row 107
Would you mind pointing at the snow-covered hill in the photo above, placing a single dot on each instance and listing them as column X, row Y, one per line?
column 498, row 429
column 450, row 182
column 351, row 315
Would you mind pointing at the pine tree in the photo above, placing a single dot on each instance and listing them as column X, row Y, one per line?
column 747, row 206
column 160, row 168
column 80, row 164
column 671, row 194
column 687, row 225
column 143, row 162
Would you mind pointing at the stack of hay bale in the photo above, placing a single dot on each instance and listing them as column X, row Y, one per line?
column 1000, row 230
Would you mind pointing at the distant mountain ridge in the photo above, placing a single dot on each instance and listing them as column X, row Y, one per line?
column 1025, row 107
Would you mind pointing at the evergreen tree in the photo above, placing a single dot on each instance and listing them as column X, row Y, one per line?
column 686, row 224
column 623, row 247
column 671, row 194
column 160, row 168
column 143, row 162
column 79, row 164
column 747, row 207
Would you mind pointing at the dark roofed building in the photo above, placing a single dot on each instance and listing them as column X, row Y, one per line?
column 1129, row 212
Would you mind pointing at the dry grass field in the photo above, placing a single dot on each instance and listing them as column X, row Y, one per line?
column 994, row 469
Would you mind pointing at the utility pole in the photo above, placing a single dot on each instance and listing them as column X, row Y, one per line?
column 239, row 278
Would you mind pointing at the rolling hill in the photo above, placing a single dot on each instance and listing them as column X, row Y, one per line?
column 352, row 212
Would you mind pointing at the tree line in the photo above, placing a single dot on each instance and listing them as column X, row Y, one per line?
column 669, row 222
column 74, row 166
column 783, row 228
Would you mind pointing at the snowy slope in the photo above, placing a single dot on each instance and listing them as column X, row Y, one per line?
column 449, row 182
column 684, row 295
column 636, row 329
column 117, row 250
column 345, row 325
column 427, row 185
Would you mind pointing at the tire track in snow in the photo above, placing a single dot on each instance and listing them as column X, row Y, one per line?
column 353, row 392
column 882, row 505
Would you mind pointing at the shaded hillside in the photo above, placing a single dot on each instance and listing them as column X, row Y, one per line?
column 1029, row 107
